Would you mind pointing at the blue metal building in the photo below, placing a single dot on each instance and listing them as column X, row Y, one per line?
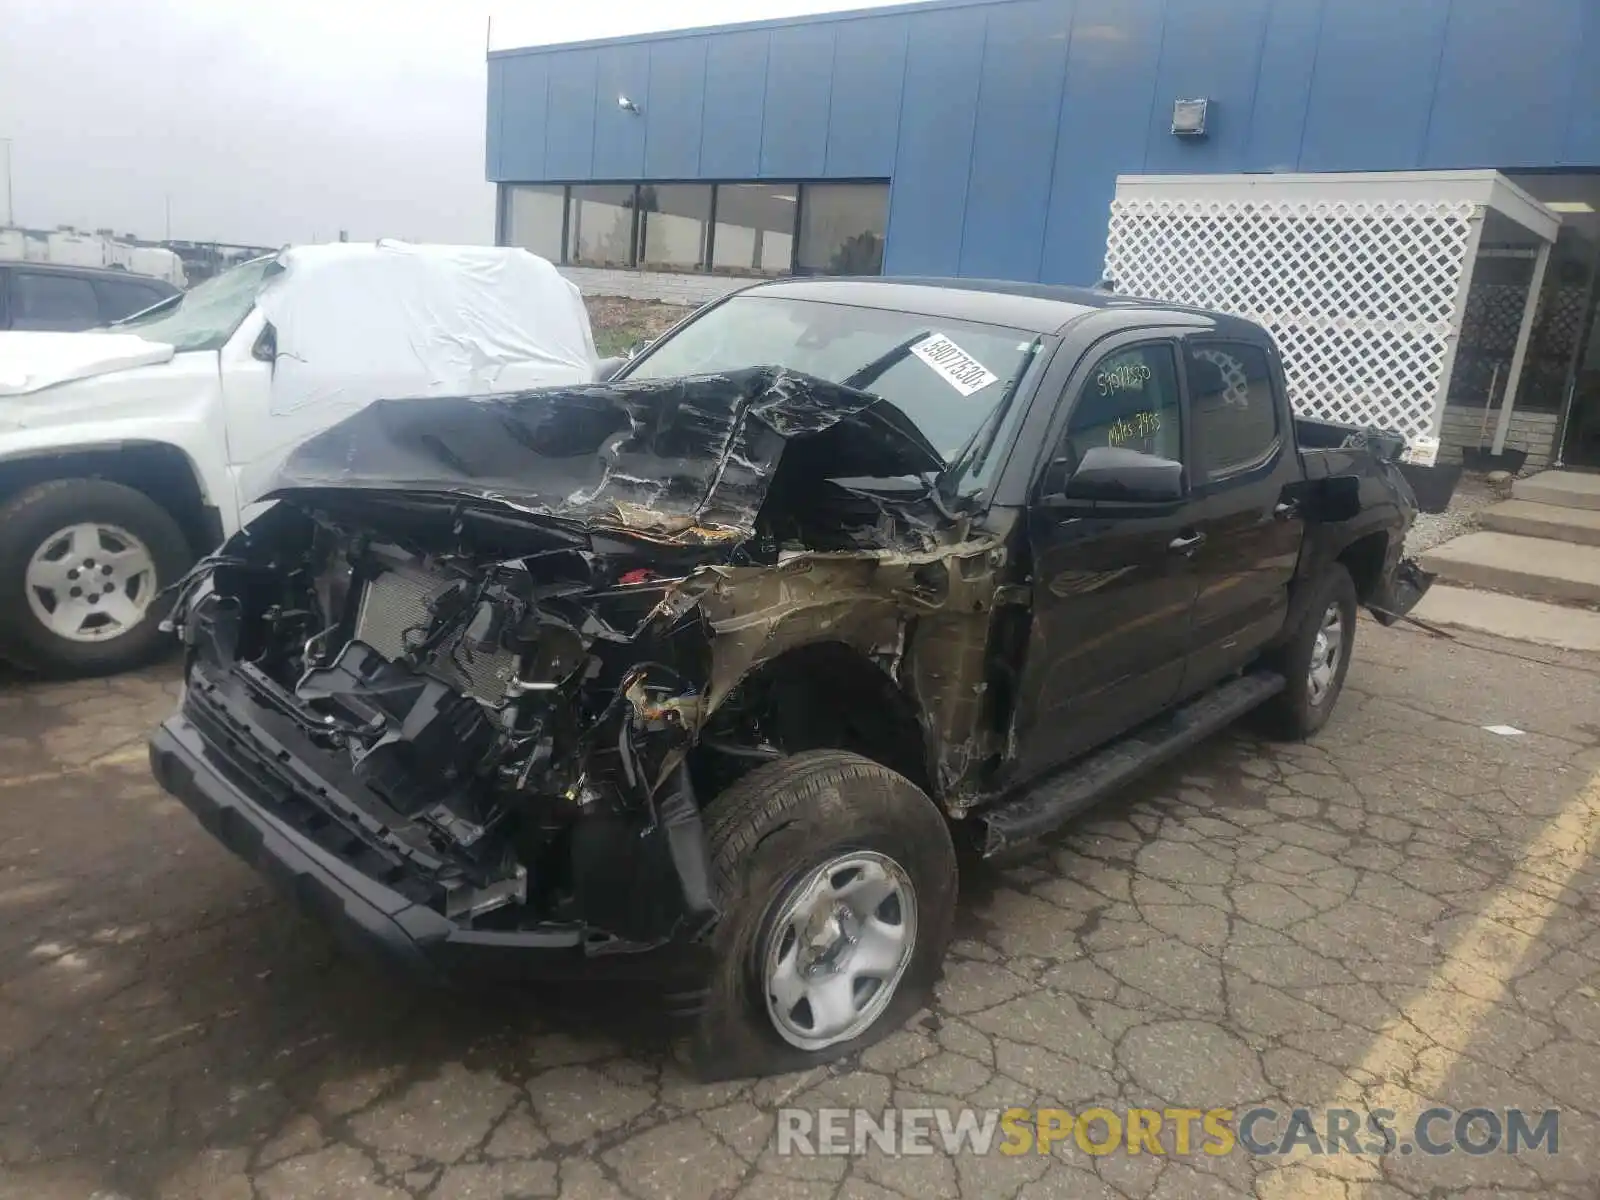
column 1000, row 126
column 987, row 137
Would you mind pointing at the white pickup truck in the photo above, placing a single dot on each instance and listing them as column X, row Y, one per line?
column 126, row 453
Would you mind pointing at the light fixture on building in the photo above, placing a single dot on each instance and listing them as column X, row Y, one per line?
column 1189, row 117
column 1569, row 206
column 627, row 105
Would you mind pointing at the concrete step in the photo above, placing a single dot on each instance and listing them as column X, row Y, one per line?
column 1525, row 517
column 1525, row 566
column 1511, row 617
column 1565, row 489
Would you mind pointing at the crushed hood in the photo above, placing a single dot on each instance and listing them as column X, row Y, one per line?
column 687, row 459
column 30, row 362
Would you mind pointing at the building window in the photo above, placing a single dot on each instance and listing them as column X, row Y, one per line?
column 842, row 228
column 600, row 225
column 674, row 220
column 729, row 228
column 534, row 218
column 755, row 228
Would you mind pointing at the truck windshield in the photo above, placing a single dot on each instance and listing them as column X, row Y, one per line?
column 206, row 315
column 947, row 376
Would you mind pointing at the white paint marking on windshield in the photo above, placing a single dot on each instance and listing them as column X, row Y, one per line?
column 958, row 368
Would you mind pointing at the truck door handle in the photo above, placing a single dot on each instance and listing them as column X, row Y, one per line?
column 1186, row 544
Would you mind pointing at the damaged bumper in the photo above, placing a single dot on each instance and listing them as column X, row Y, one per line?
column 1402, row 589
column 269, row 809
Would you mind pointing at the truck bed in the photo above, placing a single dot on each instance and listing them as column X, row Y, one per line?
column 1331, row 435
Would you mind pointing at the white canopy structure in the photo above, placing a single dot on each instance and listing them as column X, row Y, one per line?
column 1362, row 278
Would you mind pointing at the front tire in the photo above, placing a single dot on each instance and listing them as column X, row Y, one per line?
column 82, row 566
column 837, row 878
column 1315, row 659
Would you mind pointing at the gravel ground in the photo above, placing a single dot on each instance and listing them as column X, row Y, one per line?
column 1473, row 494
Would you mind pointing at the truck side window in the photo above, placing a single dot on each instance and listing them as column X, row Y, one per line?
column 122, row 298
column 48, row 301
column 1235, row 413
column 1130, row 400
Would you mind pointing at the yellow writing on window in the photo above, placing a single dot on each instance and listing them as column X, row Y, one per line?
column 1124, row 377
column 1135, row 427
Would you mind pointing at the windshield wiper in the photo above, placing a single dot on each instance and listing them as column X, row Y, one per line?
column 866, row 376
column 975, row 450
column 966, row 457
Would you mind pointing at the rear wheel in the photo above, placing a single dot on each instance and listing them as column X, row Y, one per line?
column 82, row 566
column 837, row 878
column 1315, row 659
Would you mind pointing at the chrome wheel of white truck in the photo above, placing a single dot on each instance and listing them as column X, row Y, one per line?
column 82, row 566
column 90, row 582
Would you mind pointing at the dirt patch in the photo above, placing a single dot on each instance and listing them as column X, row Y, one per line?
column 620, row 323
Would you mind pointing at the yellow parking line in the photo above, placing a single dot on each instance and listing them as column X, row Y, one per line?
column 1415, row 1052
column 1475, row 975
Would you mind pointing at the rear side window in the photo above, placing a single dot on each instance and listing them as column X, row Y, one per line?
column 59, row 302
column 1235, row 416
column 123, row 297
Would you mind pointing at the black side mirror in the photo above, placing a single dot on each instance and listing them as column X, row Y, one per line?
column 266, row 347
column 1056, row 474
column 606, row 369
column 1111, row 473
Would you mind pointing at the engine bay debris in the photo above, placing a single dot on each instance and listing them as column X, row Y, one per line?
column 514, row 636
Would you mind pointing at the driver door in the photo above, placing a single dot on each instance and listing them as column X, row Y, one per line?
column 1114, row 583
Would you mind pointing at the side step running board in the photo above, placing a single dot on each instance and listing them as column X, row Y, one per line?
column 1056, row 800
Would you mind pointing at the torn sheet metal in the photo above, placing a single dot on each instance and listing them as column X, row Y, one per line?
column 871, row 603
column 688, row 461
column 521, row 687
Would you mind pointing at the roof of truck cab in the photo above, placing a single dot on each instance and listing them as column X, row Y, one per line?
column 35, row 267
column 1037, row 307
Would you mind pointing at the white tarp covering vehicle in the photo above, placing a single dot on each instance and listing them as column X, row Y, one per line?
column 126, row 453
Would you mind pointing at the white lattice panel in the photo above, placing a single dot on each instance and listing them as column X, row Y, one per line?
column 1361, row 296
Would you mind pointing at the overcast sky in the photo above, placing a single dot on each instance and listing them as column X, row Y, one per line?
column 281, row 121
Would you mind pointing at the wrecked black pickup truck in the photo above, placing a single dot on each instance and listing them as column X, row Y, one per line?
column 699, row 675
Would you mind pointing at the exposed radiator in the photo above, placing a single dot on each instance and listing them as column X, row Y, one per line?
column 397, row 603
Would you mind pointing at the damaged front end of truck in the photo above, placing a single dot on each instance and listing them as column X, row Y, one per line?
column 468, row 683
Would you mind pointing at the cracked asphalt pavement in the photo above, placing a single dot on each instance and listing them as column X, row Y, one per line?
column 1399, row 914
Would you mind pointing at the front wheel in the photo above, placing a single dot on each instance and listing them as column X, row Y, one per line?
column 1315, row 658
column 82, row 566
column 837, row 878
